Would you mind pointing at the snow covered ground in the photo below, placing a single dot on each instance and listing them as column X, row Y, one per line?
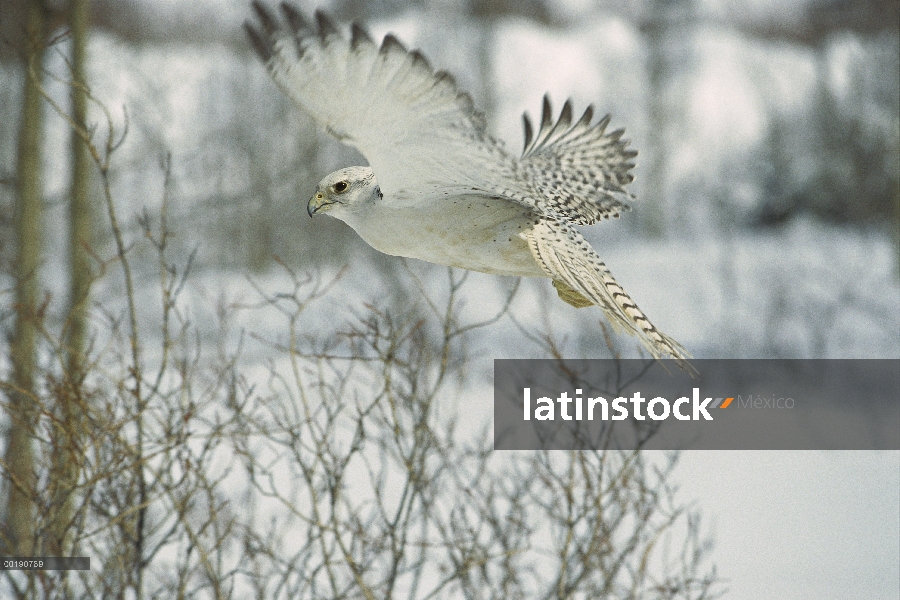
column 798, row 525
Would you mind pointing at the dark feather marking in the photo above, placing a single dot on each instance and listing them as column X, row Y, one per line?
column 359, row 36
column 444, row 76
column 477, row 118
column 419, row 60
column 260, row 44
column 295, row 20
column 391, row 44
column 585, row 119
column 268, row 22
column 528, row 131
column 602, row 123
column 325, row 24
column 565, row 117
column 546, row 116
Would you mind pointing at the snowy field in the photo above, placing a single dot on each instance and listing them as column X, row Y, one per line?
column 799, row 525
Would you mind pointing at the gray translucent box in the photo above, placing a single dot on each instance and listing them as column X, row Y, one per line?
column 747, row 404
column 45, row 563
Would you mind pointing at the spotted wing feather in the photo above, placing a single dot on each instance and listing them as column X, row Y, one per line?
column 580, row 170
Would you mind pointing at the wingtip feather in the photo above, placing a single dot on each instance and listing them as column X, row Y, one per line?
column 324, row 23
column 546, row 113
column 359, row 36
column 296, row 20
column 390, row 44
column 529, row 131
column 565, row 117
column 602, row 123
column 419, row 60
column 585, row 119
column 259, row 42
column 266, row 18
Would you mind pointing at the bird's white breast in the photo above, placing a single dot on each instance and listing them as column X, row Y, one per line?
column 479, row 233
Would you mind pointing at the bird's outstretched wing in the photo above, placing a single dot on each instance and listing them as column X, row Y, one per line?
column 579, row 169
column 413, row 125
column 564, row 254
column 421, row 134
column 424, row 140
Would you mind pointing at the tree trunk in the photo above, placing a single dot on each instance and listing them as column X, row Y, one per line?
column 19, row 458
column 67, row 459
column 81, row 222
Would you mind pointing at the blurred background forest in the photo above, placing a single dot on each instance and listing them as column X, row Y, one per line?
column 767, row 219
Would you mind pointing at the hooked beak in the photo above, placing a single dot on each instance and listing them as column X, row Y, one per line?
column 316, row 203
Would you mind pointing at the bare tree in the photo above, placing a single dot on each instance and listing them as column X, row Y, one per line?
column 81, row 224
column 18, row 532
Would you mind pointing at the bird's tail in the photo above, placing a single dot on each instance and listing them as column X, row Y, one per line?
column 581, row 278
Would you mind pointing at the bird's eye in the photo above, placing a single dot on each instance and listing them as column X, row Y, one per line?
column 340, row 187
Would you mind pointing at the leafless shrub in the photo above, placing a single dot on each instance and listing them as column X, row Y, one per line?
column 350, row 470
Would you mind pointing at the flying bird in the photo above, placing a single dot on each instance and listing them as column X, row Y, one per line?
column 438, row 187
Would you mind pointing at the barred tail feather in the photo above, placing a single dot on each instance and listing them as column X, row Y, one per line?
column 568, row 258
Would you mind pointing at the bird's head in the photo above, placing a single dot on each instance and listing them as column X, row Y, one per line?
column 344, row 190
